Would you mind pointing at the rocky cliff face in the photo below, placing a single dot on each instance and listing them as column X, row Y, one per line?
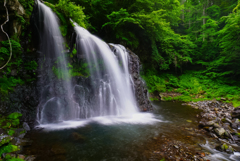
column 22, row 97
column 141, row 92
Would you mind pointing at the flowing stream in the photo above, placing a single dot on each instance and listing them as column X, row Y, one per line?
column 106, row 139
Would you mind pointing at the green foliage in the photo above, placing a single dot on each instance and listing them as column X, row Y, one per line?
column 11, row 121
column 79, row 70
column 75, row 12
column 7, row 122
column 67, row 10
column 27, row 5
column 11, row 132
column 5, row 140
column 193, row 87
column 31, row 65
column 10, row 158
column 61, row 73
column 8, row 149
column 7, row 84
column 14, row 115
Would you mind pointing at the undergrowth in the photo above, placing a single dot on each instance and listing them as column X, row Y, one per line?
column 9, row 123
column 193, row 87
column 67, row 10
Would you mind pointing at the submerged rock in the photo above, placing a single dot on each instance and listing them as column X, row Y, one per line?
column 77, row 137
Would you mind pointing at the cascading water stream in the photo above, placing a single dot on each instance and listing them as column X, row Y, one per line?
column 56, row 102
column 110, row 76
column 108, row 91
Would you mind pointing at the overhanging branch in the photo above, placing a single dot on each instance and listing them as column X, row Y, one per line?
column 6, row 35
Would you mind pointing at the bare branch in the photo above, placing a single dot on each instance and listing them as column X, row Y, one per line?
column 6, row 35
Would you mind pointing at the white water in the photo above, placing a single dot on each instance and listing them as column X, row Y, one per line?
column 55, row 106
column 109, row 76
column 138, row 118
column 219, row 156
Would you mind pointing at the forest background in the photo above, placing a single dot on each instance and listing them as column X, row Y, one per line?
column 189, row 47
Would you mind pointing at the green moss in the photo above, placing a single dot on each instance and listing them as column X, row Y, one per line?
column 28, row 6
column 5, row 141
column 14, row 115
column 22, row 132
column 31, row 65
column 153, row 99
column 8, row 149
column 168, row 98
column 11, row 121
column 10, row 158
column 7, row 125
column 224, row 146
column 8, row 82
column 161, row 87
column 11, row 132
column 193, row 87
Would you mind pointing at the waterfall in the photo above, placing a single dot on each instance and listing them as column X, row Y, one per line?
column 56, row 103
column 110, row 78
column 108, row 91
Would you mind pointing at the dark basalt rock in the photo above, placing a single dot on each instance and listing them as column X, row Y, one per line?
column 24, row 99
column 140, row 89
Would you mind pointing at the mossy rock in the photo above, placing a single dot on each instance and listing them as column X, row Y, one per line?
column 11, row 132
column 14, row 115
column 9, row 149
column 224, row 146
column 5, row 140
column 10, row 158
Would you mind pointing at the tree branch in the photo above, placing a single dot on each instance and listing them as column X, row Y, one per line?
column 6, row 35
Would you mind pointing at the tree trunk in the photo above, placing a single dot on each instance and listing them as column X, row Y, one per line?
column 204, row 20
column 183, row 16
column 205, row 6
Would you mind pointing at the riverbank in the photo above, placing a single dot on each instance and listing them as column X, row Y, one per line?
column 174, row 135
column 198, row 139
column 12, row 138
column 191, row 86
column 222, row 122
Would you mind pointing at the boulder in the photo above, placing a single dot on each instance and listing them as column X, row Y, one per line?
column 15, row 6
column 26, row 127
column 227, row 148
column 219, row 131
column 210, row 123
